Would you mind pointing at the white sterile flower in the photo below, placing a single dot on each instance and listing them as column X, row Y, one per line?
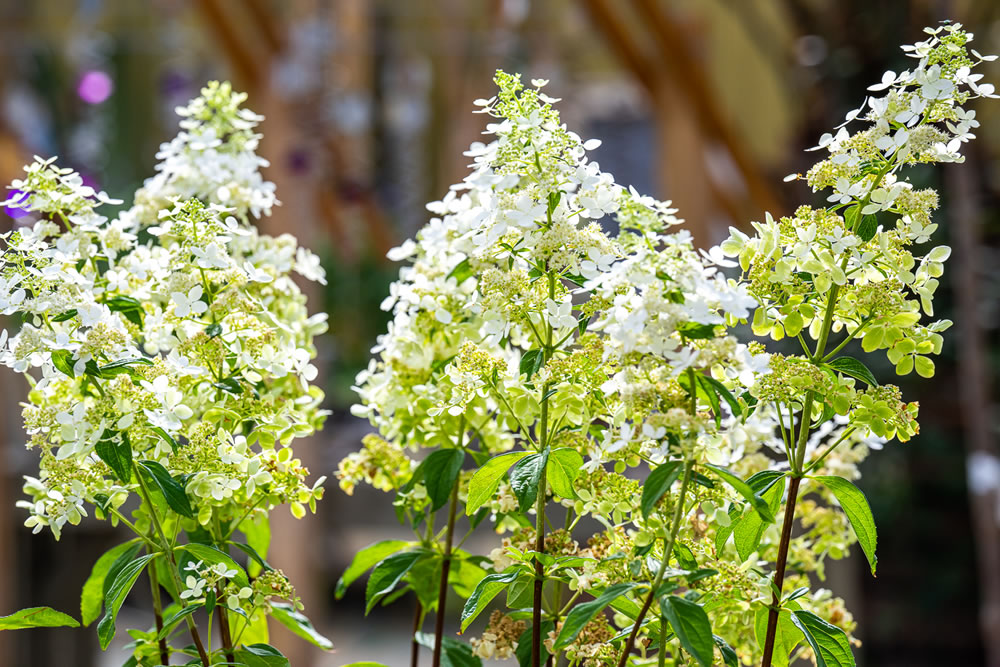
column 307, row 265
column 256, row 275
column 273, row 362
column 212, row 256
column 236, row 600
column 91, row 313
column 599, row 202
column 403, row 251
column 183, row 365
column 526, row 212
column 10, row 298
column 173, row 412
column 195, row 588
column 256, row 476
column 560, row 315
column 597, row 263
column 74, row 424
column 611, row 444
column 190, row 303
column 233, row 226
column 716, row 256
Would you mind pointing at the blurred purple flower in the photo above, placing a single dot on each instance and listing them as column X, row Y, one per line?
column 14, row 198
column 95, row 86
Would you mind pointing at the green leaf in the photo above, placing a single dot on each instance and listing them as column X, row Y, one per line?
column 68, row 315
column 129, row 307
column 721, row 390
column 692, row 627
column 92, row 596
column 213, row 556
column 171, row 622
column 37, row 617
column 563, row 469
column 685, row 557
column 867, row 228
column 252, row 553
column 441, row 471
column 523, row 650
column 453, row 652
column 786, row 635
column 854, row 368
column 749, row 530
column 531, row 362
column 63, row 361
column 299, row 624
column 829, row 643
column 122, row 366
column 260, row 655
column 696, row 330
column 744, row 490
column 213, row 330
column 852, row 500
column 124, row 559
column 118, row 456
column 364, row 560
column 387, row 574
column 486, row 480
column 230, row 385
column 525, row 477
column 171, row 489
column 462, row 271
column 116, row 596
column 657, row 484
column 487, row 589
column 166, row 437
column 729, row 656
column 581, row 614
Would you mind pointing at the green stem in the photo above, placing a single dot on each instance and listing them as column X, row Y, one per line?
column 445, row 570
column 668, row 548
column 195, row 636
column 661, row 656
column 154, row 587
column 543, row 440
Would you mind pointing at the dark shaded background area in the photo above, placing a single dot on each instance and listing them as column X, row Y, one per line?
column 708, row 102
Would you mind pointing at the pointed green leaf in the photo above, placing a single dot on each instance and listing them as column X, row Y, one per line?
column 525, row 478
column 829, row 643
column 260, row 655
column 116, row 596
column 172, row 490
column 742, row 488
column 854, row 368
column 299, row 624
column 692, row 627
column 487, row 589
column 657, row 484
column 118, row 456
column 852, row 500
column 584, row 613
column 92, row 596
column 365, row 559
column 486, row 480
column 563, row 469
column 441, row 471
column 37, row 617
column 387, row 574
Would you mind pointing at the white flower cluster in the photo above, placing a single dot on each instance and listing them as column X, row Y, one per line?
column 172, row 336
column 529, row 209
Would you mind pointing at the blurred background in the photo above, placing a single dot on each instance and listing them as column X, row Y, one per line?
column 707, row 102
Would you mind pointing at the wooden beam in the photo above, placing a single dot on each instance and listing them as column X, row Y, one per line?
column 688, row 73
